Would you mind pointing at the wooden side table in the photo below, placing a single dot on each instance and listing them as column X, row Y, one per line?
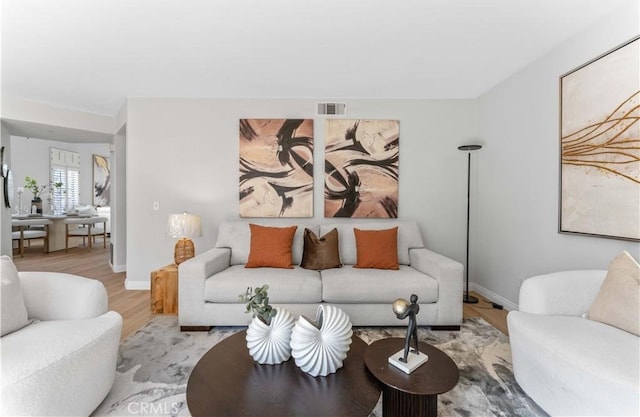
column 164, row 290
column 415, row 394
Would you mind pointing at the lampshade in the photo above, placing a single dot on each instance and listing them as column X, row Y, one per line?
column 184, row 226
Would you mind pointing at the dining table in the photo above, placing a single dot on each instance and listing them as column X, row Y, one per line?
column 56, row 229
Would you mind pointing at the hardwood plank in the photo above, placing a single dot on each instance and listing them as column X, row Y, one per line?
column 484, row 309
column 133, row 305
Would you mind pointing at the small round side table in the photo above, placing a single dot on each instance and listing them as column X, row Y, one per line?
column 414, row 394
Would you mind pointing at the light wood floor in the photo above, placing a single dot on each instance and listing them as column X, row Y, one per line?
column 134, row 305
column 484, row 309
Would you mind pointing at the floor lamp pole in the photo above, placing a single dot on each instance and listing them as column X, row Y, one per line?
column 469, row 299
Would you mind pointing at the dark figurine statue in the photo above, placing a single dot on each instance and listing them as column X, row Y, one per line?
column 403, row 309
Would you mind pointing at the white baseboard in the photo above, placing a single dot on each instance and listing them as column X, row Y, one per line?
column 508, row 305
column 137, row 285
column 118, row 268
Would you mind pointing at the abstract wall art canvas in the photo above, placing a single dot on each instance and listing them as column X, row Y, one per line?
column 101, row 181
column 361, row 168
column 600, row 146
column 276, row 168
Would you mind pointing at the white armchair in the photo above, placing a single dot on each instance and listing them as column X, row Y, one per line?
column 64, row 362
column 568, row 364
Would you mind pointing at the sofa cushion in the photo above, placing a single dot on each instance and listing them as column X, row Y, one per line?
column 618, row 301
column 408, row 237
column 297, row 285
column 14, row 313
column 377, row 248
column 321, row 252
column 353, row 285
column 236, row 236
column 270, row 246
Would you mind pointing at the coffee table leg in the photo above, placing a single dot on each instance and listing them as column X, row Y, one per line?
column 399, row 404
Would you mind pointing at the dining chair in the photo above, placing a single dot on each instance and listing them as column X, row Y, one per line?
column 86, row 227
column 27, row 229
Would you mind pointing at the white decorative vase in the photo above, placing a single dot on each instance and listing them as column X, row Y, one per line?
column 270, row 344
column 319, row 348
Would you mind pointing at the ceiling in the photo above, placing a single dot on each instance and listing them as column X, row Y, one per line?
column 91, row 55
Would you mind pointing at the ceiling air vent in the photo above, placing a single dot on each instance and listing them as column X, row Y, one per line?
column 332, row 109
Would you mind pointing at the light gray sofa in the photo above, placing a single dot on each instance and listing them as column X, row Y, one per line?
column 210, row 283
column 570, row 365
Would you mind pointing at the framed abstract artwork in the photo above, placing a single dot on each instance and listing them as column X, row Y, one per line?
column 101, row 181
column 276, row 168
column 361, row 168
column 600, row 146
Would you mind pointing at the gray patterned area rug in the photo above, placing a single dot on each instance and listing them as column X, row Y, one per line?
column 155, row 363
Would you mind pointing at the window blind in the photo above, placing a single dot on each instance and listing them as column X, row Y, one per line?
column 65, row 168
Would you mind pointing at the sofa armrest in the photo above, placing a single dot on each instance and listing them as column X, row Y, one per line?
column 567, row 293
column 193, row 273
column 438, row 266
column 59, row 296
column 449, row 274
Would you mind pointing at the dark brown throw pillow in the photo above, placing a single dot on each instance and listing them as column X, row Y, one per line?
column 321, row 253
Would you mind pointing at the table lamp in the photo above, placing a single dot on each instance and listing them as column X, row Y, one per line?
column 184, row 226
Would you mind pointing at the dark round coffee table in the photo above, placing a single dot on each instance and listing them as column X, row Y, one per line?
column 414, row 394
column 227, row 382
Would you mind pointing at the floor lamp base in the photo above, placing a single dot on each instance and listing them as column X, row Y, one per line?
column 469, row 299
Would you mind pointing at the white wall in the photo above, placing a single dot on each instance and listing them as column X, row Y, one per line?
column 184, row 154
column 118, row 203
column 31, row 157
column 516, row 216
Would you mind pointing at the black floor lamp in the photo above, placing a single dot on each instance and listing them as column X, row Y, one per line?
column 469, row 299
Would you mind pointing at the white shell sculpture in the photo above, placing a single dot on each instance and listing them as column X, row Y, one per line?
column 319, row 348
column 269, row 345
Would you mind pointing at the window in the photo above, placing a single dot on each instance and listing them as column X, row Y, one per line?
column 65, row 169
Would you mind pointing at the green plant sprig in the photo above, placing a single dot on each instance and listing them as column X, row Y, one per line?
column 258, row 303
column 31, row 184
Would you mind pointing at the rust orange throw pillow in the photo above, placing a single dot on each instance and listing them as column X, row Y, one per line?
column 377, row 248
column 271, row 247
